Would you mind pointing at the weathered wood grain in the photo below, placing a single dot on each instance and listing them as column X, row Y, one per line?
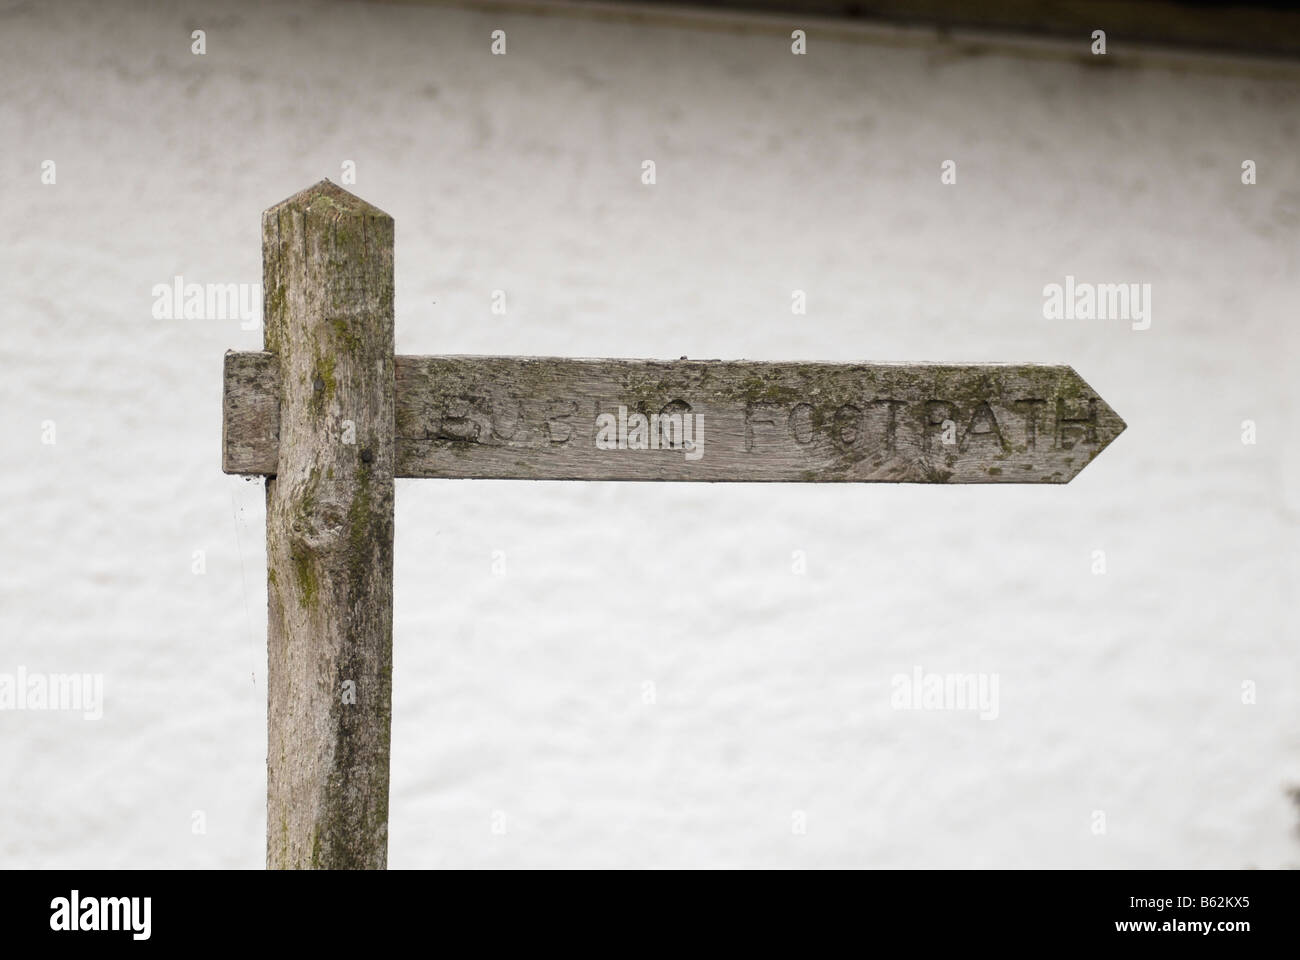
column 539, row 419
column 328, row 279
column 250, row 413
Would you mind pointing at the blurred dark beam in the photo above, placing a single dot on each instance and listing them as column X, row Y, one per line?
column 1269, row 28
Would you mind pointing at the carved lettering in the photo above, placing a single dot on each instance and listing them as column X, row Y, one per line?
column 1072, row 426
column 983, row 426
column 561, row 431
column 1033, row 408
column 801, row 423
column 758, row 413
column 670, row 425
column 466, row 419
column 846, row 425
column 512, row 424
column 891, row 424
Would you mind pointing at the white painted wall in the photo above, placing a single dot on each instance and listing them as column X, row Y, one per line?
column 523, row 693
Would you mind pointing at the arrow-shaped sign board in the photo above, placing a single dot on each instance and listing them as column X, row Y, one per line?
column 541, row 418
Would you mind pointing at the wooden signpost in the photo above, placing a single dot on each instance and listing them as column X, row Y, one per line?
column 330, row 416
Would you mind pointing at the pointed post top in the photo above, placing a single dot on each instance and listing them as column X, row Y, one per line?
column 327, row 195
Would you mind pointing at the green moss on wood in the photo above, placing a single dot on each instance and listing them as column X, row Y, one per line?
column 346, row 340
column 305, row 519
column 308, row 585
column 323, row 383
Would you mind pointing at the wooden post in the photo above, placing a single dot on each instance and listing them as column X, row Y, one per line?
column 327, row 261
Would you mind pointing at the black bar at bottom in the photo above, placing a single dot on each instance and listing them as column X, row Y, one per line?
column 927, row 909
